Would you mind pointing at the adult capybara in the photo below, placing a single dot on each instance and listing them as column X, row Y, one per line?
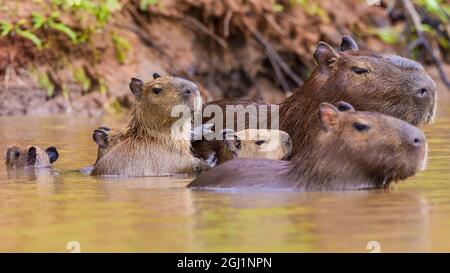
column 155, row 143
column 249, row 143
column 353, row 150
column 24, row 156
column 370, row 81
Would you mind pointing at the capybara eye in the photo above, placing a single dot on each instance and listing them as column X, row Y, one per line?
column 359, row 70
column 260, row 142
column 238, row 144
column 360, row 127
column 156, row 90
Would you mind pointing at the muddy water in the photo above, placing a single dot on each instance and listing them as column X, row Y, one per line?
column 43, row 210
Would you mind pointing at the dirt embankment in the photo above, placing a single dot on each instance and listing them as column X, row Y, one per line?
column 231, row 48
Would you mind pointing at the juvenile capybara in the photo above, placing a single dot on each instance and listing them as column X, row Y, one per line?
column 106, row 138
column 370, row 81
column 23, row 156
column 149, row 146
column 353, row 150
column 249, row 143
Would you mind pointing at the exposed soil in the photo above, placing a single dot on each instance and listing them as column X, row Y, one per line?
column 230, row 48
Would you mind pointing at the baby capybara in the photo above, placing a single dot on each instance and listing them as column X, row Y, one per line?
column 353, row 150
column 149, row 146
column 23, row 156
column 370, row 81
column 249, row 143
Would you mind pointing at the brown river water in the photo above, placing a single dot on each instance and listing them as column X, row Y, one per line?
column 44, row 210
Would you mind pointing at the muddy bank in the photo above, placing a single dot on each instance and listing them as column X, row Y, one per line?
column 253, row 49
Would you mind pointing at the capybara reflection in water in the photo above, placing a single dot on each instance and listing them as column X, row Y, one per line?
column 370, row 81
column 149, row 146
column 249, row 143
column 23, row 156
column 353, row 150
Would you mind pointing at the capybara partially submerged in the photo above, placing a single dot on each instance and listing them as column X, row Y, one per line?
column 370, row 81
column 353, row 150
column 149, row 146
column 249, row 143
column 22, row 156
column 106, row 138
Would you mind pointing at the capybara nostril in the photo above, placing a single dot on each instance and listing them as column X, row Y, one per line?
column 417, row 140
column 422, row 93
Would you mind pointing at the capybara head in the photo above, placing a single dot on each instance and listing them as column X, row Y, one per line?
column 160, row 103
column 106, row 138
column 161, row 94
column 263, row 143
column 370, row 81
column 20, row 156
column 376, row 82
column 364, row 149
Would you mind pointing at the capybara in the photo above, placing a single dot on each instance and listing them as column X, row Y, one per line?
column 149, row 146
column 106, row 138
column 353, row 150
column 23, row 156
column 249, row 143
column 370, row 81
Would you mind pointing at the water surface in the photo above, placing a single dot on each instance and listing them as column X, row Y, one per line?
column 43, row 210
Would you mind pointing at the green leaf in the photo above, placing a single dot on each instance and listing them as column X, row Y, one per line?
column 278, row 8
column 433, row 6
column 64, row 29
column 6, row 28
column 38, row 20
column 80, row 76
column 121, row 48
column 144, row 4
column 388, row 35
column 30, row 36
column 113, row 5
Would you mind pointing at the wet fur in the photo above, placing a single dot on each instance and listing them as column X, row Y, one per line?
column 339, row 159
column 147, row 148
column 389, row 89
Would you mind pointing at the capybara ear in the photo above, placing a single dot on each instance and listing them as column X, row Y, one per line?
column 156, row 75
column 104, row 128
column 101, row 138
column 325, row 54
column 348, row 43
column 31, row 156
column 329, row 115
column 52, row 154
column 136, row 87
column 343, row 106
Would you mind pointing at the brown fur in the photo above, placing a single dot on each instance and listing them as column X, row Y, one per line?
column 106, row 139
column 249, row 143
column 340, row 158
column 391, row 87
column 148, row 148
column 23, row 156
